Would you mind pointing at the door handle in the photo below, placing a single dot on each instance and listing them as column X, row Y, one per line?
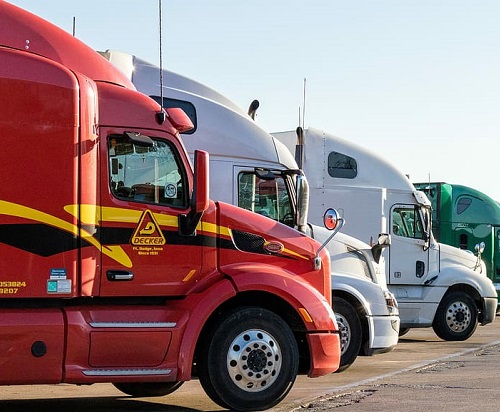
column 118, row 275
column 420, row 269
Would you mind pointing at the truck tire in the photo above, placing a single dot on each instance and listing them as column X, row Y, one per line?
column 250, row 360
column 351, row 333
column 147, row 389
column 403, row 331
column 456, row 317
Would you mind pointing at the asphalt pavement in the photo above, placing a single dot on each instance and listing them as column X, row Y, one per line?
column 466, row 382
column 422, row 373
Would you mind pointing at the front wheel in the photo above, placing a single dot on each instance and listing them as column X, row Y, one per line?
column 251, row 361
column 456, row 317
column 350, row 332
column 403, row 331
column 147, row 389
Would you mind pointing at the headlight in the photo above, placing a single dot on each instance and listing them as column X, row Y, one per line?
column 391, row 302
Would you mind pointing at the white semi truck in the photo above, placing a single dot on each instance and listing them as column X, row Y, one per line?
column 251, row 169
column 435, row 284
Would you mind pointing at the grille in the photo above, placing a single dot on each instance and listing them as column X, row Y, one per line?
column 248, row 242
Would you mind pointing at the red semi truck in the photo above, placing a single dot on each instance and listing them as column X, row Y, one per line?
column 114, row 264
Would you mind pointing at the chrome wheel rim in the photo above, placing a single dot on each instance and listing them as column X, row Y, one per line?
column 458, row 316
column 345, row 333
column 254, row 360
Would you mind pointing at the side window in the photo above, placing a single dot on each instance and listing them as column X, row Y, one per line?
column 146, row 173
column 268, row 197
column 340, row 165
column 463, row 204
column 406, row 222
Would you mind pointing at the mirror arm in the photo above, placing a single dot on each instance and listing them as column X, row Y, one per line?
column 317, row 259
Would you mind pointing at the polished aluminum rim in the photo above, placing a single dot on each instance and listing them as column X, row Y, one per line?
column 254, row 360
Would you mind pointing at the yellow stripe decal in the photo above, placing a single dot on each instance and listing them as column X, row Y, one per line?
column 92, row 215
column 291, row 252
column 13, row 209
column 89, row 214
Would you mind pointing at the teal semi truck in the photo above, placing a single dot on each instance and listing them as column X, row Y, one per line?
column 464, row 217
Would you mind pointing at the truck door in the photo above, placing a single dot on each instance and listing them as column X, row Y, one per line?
column 409, row 256
column 145, row 188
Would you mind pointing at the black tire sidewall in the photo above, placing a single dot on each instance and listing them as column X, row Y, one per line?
column 215, row 377
column 403, row 331
column 440, row 325
column 147, row 389
column 347, row 311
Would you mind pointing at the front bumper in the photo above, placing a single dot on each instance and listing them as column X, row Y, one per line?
column 385, row 334
column 325, row 353
column 490, row 310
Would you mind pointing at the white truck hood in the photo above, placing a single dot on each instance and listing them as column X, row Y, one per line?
column 452, row 256
column 341, row 249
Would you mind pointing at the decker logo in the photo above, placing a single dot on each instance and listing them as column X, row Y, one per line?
column 148, row 232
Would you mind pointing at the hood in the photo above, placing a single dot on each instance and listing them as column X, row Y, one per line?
column 351, row 256
column 452, row 256
column 257, row 240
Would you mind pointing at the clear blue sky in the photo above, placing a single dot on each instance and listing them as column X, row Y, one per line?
column 417, row 81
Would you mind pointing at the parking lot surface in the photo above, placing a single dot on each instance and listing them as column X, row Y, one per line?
column 422, row 373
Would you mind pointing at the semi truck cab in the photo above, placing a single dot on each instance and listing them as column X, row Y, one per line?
column 435, row 285
column 115, row 266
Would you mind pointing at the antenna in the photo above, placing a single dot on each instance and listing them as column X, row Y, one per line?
column 74, row 26
column 161, row 56
column 304, row 107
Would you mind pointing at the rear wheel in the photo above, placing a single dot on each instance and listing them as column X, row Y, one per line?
column 251, row 361
column 456, row 317
column 147, row 389
column 350, row 332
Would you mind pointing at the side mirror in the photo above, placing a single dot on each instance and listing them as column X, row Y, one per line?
column 200, row 196
column 331, row 219
column 427, row 239
column 334, row 222
column 384, row 240
column 479, row 248
column 302, row 203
